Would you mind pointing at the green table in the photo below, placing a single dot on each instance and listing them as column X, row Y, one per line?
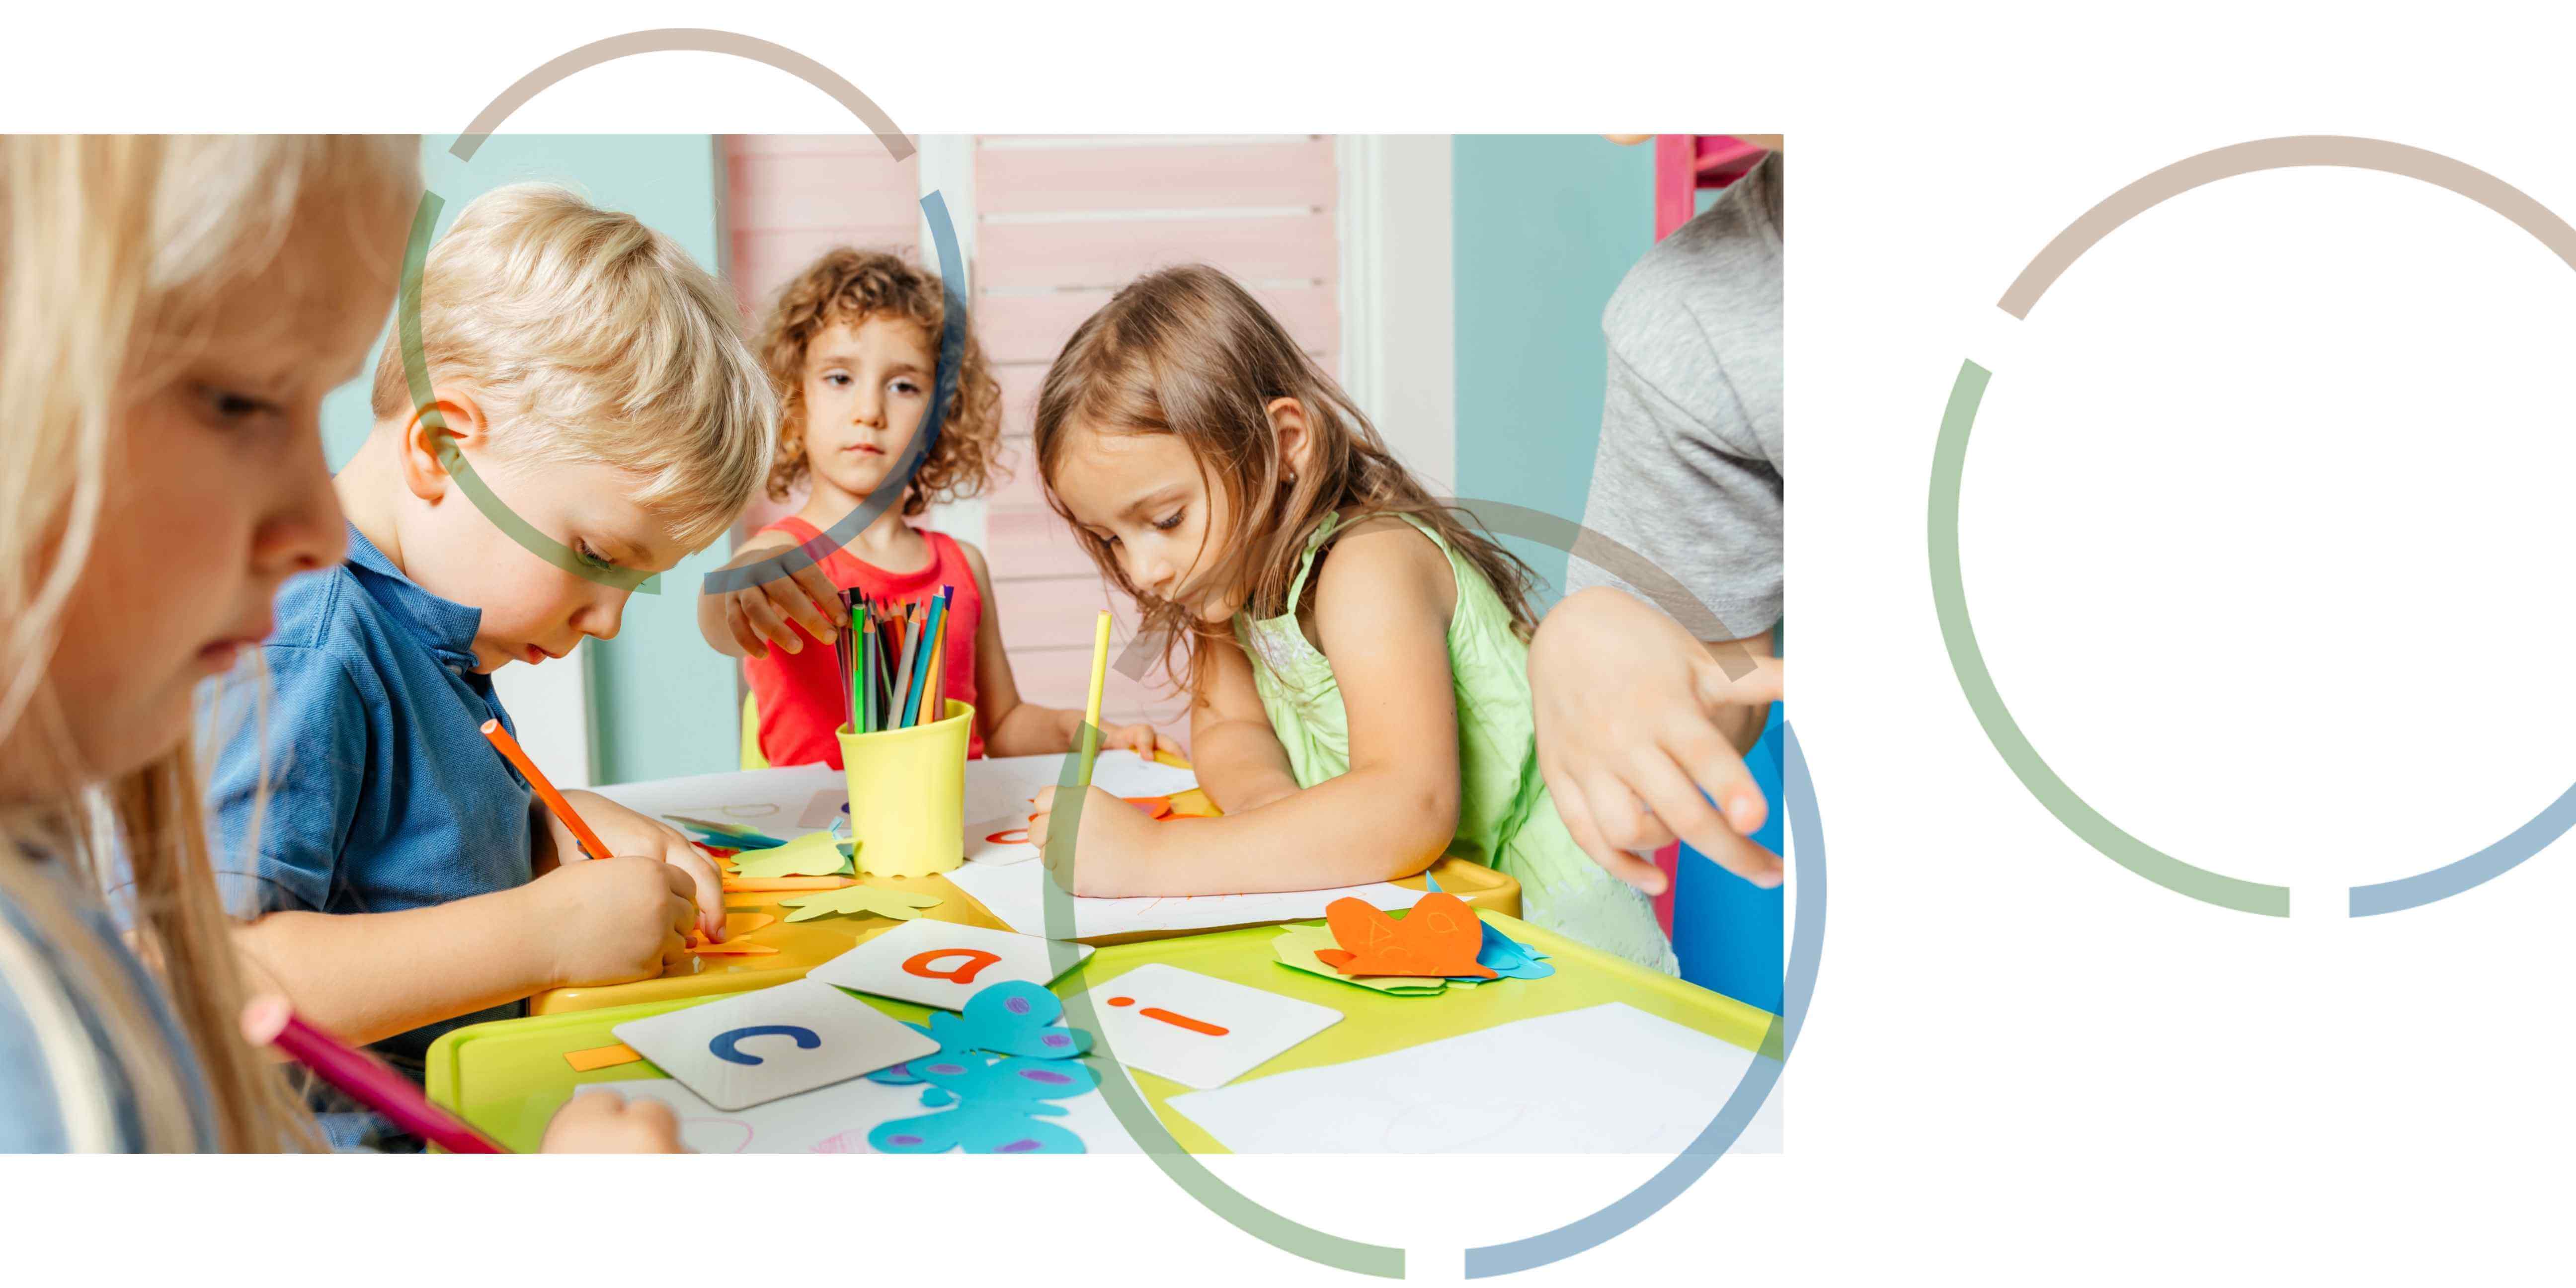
column 508, row 1077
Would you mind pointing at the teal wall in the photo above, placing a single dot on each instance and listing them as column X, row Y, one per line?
column 664, row 703
column 1545, row 225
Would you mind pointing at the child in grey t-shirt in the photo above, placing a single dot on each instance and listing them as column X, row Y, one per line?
column 1688, row 484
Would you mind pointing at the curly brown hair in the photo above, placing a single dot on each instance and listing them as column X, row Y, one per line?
column 844, row 287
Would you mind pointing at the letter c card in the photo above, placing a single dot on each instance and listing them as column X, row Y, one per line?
column 751, row 1048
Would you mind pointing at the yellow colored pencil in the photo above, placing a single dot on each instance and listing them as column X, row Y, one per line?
column 1091, row 709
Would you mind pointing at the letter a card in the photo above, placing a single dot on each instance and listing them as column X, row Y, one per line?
column 941, row 964
column 752, row 1048
column 1196, row 1029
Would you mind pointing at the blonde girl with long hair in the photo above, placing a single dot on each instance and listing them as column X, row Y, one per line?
column 1356, row 654
column 171, row 312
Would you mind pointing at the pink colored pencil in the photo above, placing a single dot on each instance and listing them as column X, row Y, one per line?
column 368, row 1081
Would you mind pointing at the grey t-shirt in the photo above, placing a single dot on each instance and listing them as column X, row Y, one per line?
column 1690, row 461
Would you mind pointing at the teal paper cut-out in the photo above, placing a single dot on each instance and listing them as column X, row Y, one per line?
column 1013, row 1018
column 990, row 1106
column 1509, row 957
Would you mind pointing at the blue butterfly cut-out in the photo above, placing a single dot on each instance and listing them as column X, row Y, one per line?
column 999, row 1107
column 1013, row 1018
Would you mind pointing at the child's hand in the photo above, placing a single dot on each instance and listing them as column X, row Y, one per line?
column 613, row 920
column 1112, row 854
column 604, row 1122
column 628, row 832
column 1144, row 740
column 769, row 613
column 1629, row 711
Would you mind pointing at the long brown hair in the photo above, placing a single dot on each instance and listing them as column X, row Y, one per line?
column 845, row 287
column 117, row 253
column 1187, row 351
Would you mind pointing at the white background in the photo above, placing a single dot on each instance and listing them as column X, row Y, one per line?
column 2265, row 542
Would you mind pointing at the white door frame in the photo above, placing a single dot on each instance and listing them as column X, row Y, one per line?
column 1398, row 296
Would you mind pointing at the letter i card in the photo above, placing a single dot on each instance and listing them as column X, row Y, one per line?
column 941, row 964
column 1196, row 1029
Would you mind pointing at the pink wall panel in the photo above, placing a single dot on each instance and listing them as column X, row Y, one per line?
column 1288, row 172
column 1033, row 328
column 1106, row 253
column 821, row 192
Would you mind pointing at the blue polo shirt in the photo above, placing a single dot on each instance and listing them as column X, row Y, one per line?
column 382, row 793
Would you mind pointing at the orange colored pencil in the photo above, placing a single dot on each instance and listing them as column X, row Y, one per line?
column 509, row 746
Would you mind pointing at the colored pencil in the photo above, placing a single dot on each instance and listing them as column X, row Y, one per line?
column 936, row 681
column 903, row 671
column 924, row 706
column 865, row 678
column 1091, row 708
column 842, row 639
column 366, row 1080
column 509, row 746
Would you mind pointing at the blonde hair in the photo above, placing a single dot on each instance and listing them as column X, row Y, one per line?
column 118, row 255
column 1188, row 352
column 590, row 337
column 847, row 287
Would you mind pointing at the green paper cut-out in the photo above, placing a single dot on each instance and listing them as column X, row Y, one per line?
column 1296, row 947
column 810, row 855
column 860, row 901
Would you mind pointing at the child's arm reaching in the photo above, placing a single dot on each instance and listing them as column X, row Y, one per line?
column 744, row 623
column 368, row 976
column 1015, row 728
column 1382, row 606
column 1237, row 754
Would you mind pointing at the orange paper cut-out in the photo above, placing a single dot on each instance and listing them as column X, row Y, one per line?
column 1438, row 939
column 601, row 1057
column 759, row 885
column 730, row 950
column 737, row 924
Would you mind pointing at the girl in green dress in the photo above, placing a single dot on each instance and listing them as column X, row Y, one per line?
column 1356, row 656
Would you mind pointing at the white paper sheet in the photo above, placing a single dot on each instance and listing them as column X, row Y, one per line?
column 1607, row 1079
column 1002, row 786
column 837, row 1119
column 775, row 801
column 1016, row 893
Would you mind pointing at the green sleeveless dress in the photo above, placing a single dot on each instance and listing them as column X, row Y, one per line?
column 1505, row 819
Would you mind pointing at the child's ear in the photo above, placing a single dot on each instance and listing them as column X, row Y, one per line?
column 1296, row 445
column 424, row 429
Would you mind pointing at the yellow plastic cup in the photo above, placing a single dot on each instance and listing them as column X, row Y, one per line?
column 908, row 795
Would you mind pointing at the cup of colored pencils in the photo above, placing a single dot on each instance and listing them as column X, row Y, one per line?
column 903, row 743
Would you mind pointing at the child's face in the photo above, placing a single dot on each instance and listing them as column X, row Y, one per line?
column 534, row 611
column 1145, row 495
column 218, row 495
column 866, row 390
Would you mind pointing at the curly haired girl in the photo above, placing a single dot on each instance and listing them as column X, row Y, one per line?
column 852, row 345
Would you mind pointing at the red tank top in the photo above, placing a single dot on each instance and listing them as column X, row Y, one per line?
column 799, row 693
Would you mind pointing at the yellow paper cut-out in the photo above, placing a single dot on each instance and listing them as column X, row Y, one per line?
column 814, row 854
column 861, row 901
column 1296, row 947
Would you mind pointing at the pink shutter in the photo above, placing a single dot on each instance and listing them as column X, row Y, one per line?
column 1061, row 224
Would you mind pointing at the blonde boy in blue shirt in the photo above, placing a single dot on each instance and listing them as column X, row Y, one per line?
column 403, row 880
